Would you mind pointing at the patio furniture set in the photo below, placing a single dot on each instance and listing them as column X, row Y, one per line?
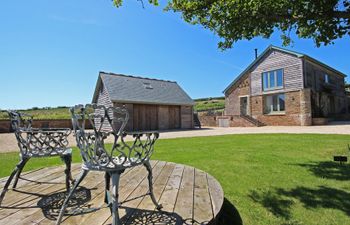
column 112, row 159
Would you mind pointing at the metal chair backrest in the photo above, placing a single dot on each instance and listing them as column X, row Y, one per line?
column 20, row 121
column 34, row 142
column 109, row 122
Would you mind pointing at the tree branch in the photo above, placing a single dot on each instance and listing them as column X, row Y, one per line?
column 341, row 14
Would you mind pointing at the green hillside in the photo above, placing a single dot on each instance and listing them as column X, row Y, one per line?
column 42, row 113
column 206, row 104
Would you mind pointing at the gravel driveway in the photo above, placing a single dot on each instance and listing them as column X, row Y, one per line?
column 8, row 141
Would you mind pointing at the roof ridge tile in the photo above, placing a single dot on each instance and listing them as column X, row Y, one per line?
column 138, row 77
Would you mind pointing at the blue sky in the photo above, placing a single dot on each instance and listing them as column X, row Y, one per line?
column 51, row 51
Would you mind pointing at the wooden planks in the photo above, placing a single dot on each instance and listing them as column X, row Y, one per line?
column 292, row 66
column 188, row 196
column 169, row 117
column 174, row 117
column 186, row 117
column 184, row 202
column 145, row 117
column 202, row 207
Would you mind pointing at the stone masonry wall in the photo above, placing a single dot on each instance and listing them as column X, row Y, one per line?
column 305, row 108
column 233, row 121
column 297, row 113
column 208, row 121
column 232, row 101
column 237, row 121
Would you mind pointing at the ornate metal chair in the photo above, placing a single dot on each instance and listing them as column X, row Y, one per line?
column 111, row 159
column 34, row 143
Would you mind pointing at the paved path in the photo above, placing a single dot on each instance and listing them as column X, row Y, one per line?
column 8, row 142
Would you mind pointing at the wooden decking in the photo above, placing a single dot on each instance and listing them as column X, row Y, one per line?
column 188, row 196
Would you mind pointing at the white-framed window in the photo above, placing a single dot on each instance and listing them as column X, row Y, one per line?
column 326, row 78
column 272, row 79
column 274, row 104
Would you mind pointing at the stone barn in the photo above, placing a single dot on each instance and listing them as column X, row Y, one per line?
column 152, row 104
column 282, row 88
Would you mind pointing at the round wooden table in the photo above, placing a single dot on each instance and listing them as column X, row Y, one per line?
column 188, row 196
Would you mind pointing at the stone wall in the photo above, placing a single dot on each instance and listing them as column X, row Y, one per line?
column 237, row 121
column 291, row 117
column 305, row 108
column 232, row 121
column 232, row 100
column 207, row 121
column 4, row 126
column 297, row 113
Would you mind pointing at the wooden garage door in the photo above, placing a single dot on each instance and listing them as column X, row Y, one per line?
column 145, row 117
column 174, row 117
column 169, row 117
column 154, row 117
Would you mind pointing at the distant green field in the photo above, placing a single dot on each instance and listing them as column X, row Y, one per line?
column 49, row 113
column 210, row 104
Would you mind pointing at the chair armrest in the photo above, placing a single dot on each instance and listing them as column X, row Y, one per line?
column 64, row 131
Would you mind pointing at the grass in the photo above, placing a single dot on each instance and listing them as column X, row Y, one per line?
column 267, row 178
column 212, row 104
column 45, row 113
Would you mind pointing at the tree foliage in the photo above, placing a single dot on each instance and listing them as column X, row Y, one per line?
column 232, row 20
column 119, row 3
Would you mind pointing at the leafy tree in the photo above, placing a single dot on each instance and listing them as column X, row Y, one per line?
column 232, row 20
column 347, row 88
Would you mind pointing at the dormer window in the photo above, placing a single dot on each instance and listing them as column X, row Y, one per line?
column 147, row 85
column 326, row 78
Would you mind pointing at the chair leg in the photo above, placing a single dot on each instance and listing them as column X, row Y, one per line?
column 25, row 160
column 18, row 167
column 76, row 184
column 115, row 195
column 150, row 185
column 67, row 158
column 107, row 185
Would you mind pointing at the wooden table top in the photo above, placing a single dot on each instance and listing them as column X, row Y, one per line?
column 188, row 196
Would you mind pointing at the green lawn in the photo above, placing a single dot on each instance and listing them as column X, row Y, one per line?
column 267, row 178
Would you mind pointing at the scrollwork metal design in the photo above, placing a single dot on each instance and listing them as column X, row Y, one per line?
column 40, row 142
column 34, row 142
column 113, row 158
column 108, row 122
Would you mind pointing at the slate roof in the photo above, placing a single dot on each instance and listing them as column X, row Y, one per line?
column 271, row 47
column 131, row 89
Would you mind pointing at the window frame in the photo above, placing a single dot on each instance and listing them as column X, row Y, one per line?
column 275, row 75
column 271, row 111
column 327, row 78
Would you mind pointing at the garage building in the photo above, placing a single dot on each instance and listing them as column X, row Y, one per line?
column 152, row 104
